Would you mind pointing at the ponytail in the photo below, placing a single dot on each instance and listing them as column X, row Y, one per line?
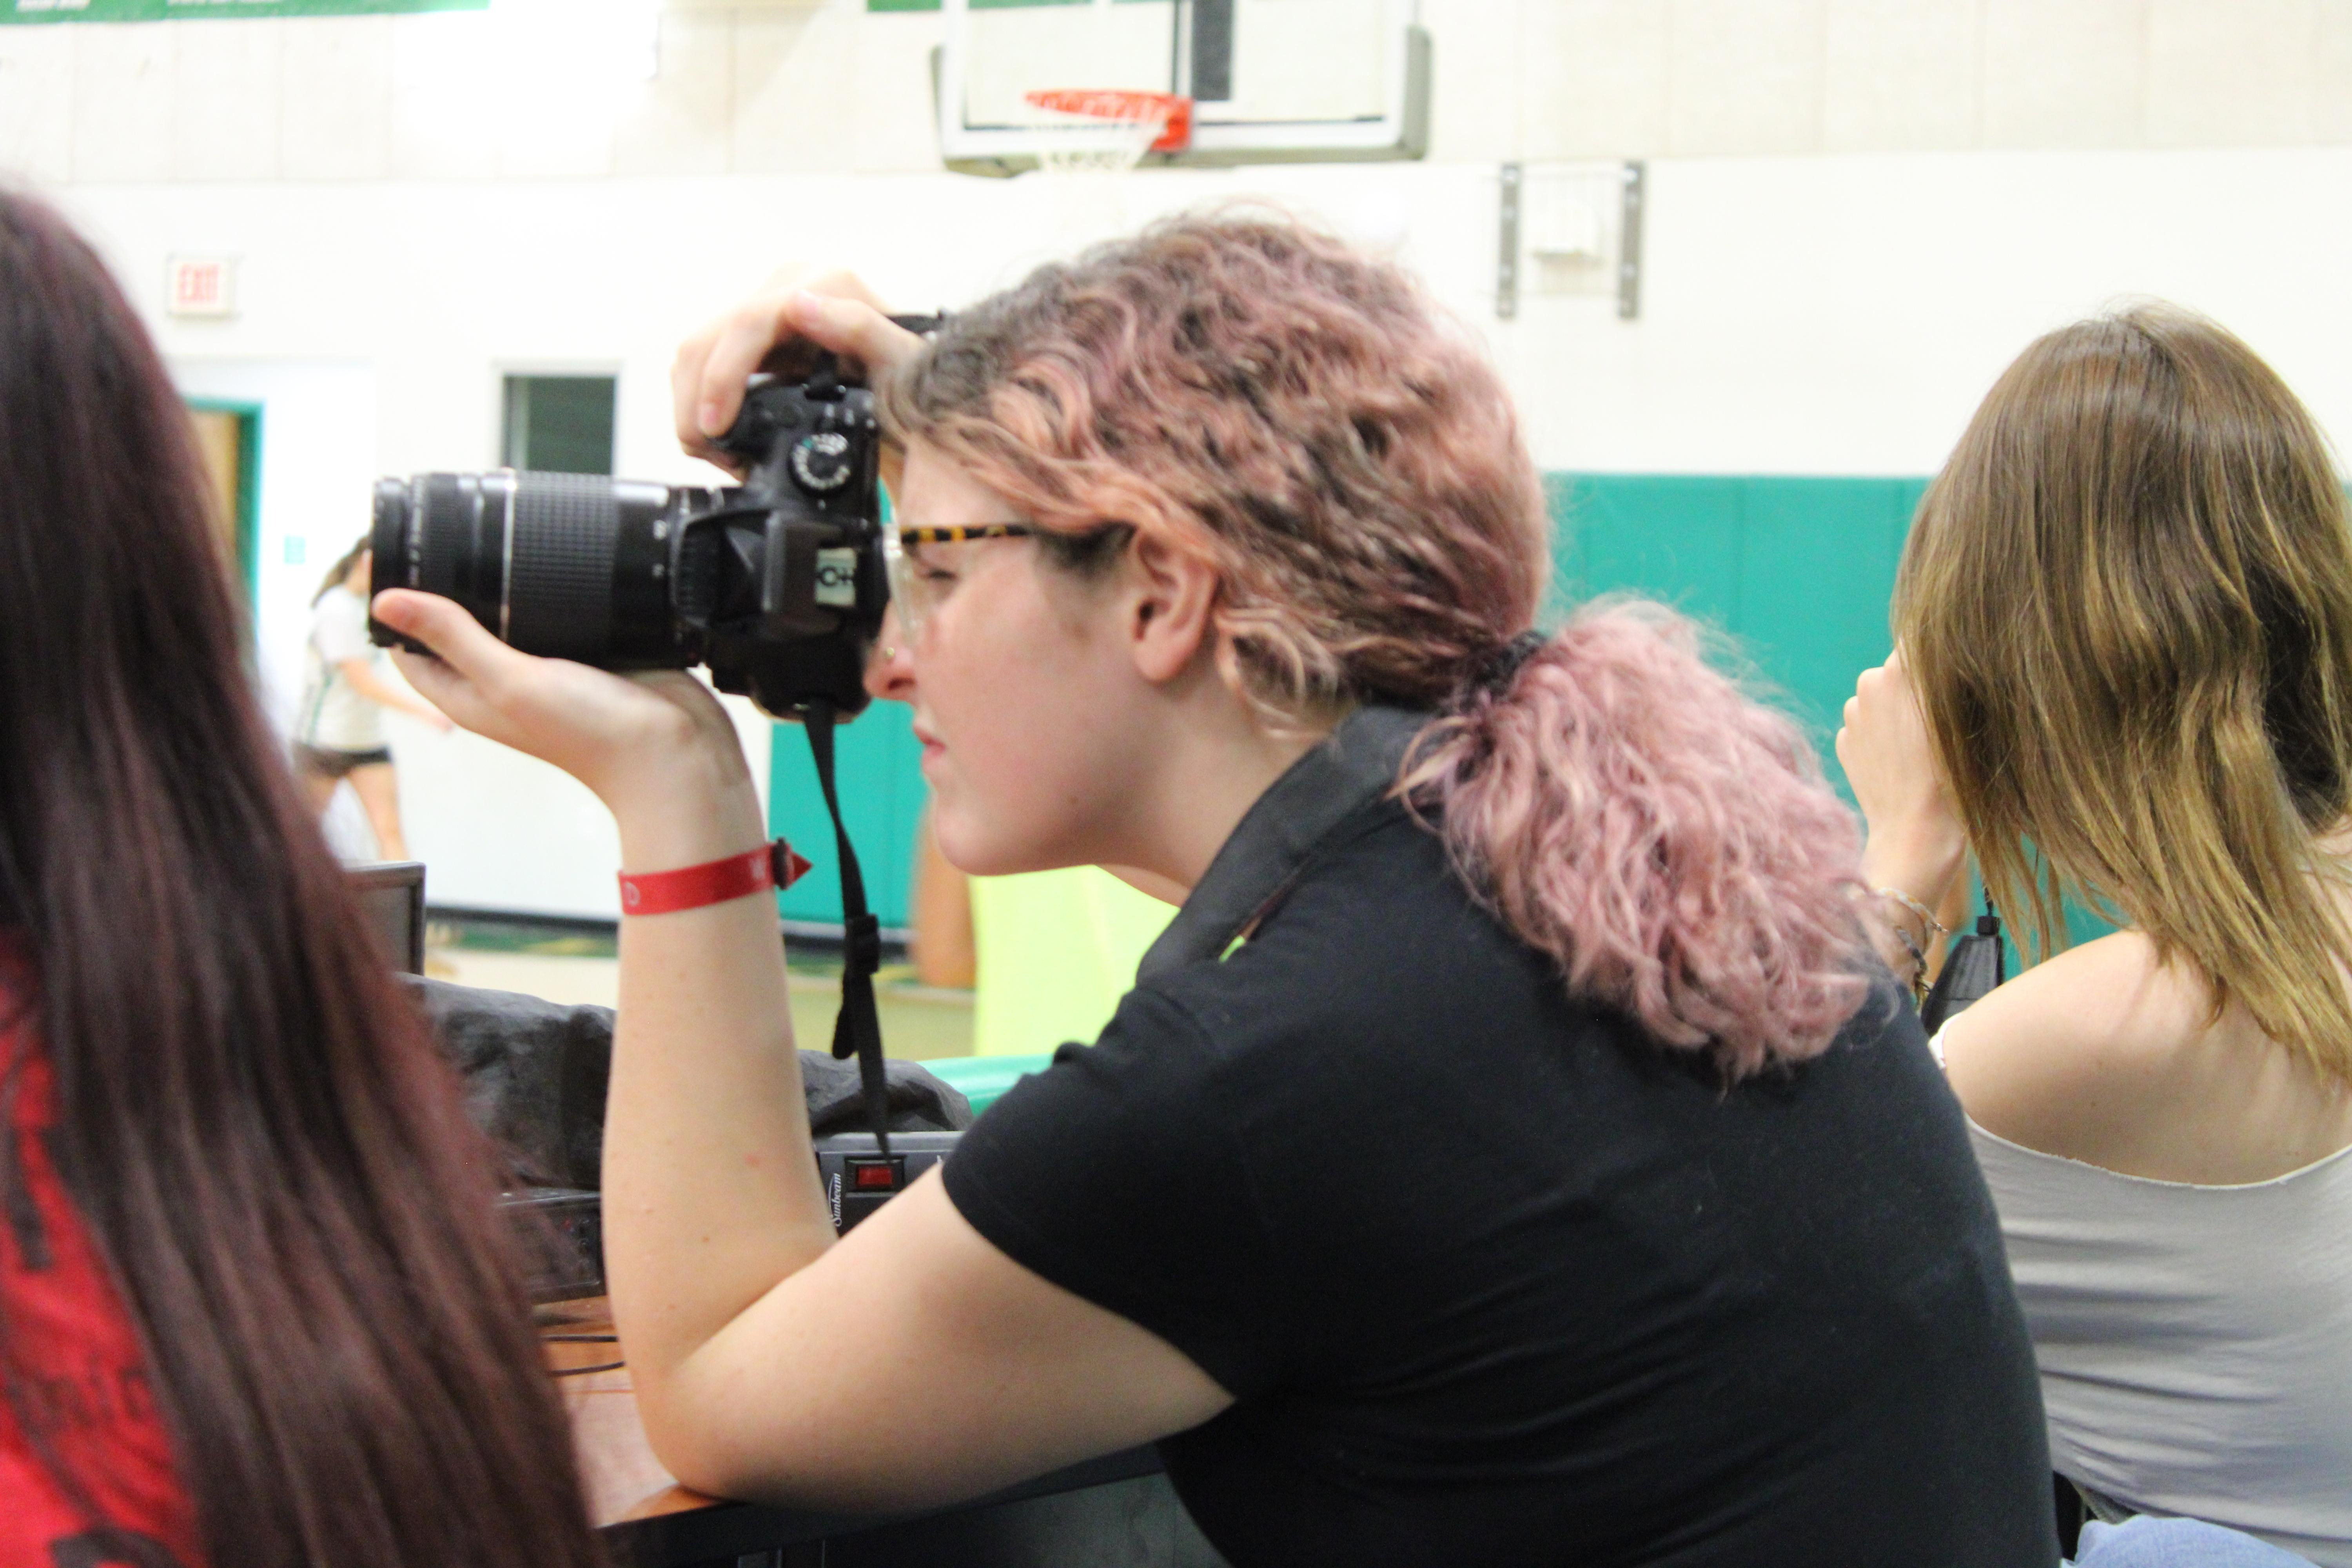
column 1670, row 842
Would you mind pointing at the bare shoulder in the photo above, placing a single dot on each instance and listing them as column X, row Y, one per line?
column 2076, row 1055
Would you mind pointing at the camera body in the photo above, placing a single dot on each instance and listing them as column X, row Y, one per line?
column 778, row 584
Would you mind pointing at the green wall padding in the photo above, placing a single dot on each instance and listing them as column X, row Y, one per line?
column 1798, row 569
column 983, row 1080
column 878, row 768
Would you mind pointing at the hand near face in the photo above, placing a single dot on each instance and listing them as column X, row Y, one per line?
column 795, row 313
column 1915, row 841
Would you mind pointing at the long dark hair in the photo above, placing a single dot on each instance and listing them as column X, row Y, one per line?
column 261, row 1137
column 343, row 568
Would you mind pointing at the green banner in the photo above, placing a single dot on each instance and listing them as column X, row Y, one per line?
column 181, row 10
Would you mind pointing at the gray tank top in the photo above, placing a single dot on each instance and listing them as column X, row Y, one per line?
column 2195, row 1342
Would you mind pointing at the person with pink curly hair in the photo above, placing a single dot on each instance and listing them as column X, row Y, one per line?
column 1513, row 1153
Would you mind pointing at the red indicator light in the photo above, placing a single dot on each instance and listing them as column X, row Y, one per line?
column 873, row 1176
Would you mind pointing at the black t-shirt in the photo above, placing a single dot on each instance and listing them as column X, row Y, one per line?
column 1494, row 1278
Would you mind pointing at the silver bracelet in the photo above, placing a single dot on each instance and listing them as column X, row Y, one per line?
column 1918, row 981
column 1935, row 926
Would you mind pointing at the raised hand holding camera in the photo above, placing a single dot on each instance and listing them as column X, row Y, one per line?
column 775, row 329
column 779, row 586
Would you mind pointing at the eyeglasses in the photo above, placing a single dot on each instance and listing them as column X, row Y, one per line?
column 917, row 589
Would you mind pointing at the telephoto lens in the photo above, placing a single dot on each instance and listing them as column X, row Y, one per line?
column 778, row 584
column 568, row 565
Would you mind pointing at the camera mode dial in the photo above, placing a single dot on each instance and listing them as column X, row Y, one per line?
column 822, row 463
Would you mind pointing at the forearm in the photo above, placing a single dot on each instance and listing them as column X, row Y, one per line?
column 1953, row 914
column 710, row 1189
column 377, row 690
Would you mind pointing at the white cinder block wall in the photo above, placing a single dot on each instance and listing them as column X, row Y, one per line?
column 1860, row 210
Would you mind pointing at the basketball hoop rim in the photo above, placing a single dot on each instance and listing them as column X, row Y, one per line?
column 1170, row 112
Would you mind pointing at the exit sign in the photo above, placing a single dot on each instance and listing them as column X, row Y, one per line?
column 201, row 286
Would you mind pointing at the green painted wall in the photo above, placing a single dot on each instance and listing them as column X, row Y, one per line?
column 1798, row 569
column 878, row 765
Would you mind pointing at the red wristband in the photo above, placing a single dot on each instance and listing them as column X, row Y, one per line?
column 712, row 882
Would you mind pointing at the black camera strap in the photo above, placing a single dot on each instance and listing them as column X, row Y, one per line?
column 857, row 1030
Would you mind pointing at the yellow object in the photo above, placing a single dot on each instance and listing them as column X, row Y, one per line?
column 1057, row 951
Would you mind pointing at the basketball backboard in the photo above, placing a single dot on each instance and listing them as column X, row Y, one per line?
column 1271, row 80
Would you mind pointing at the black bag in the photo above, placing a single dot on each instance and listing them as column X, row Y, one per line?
column 1973, row 967
column 535, row 1075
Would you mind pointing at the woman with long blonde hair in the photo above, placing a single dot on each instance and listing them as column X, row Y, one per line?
column 2124, row 679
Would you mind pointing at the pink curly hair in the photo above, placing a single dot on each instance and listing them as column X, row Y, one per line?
column 1627, row 810
column 1257, row 392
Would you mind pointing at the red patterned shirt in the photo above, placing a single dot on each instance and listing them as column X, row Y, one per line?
column 79, row 1375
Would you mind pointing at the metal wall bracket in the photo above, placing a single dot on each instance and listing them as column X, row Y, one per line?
column 1506, row 250
column 1511, row 238
column 1629, row 243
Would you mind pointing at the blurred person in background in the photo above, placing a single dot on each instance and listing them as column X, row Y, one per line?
column 2124, row 623
column 256, row 1306
column 339, row 734
column 939, row 897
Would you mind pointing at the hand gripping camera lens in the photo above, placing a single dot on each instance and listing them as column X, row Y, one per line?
column 821, row 462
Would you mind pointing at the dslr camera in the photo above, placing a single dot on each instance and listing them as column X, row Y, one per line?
column 778, row 584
